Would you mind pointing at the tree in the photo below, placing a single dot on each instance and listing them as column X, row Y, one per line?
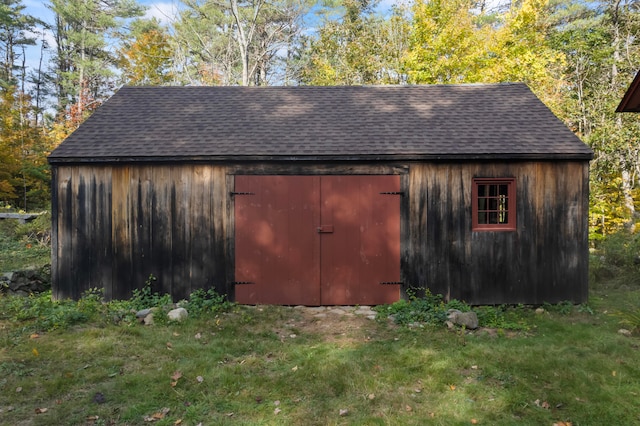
column 84, row 64
column 146, row 58
column 234, row 42
column 14, row 29
column 603, row 55
column 360, row 47
column 447, row 43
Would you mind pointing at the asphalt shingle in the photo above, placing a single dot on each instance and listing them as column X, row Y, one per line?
column 342, row 122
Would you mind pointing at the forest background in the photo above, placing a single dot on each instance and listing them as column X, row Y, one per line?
column 578, row 56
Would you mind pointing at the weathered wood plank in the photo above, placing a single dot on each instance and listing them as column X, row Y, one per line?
column 121, row 232
column 161, row 226
column 315, row 168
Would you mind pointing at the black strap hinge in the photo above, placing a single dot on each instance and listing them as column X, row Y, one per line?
column 241, row 193
column 392, row 193
column 391, row 282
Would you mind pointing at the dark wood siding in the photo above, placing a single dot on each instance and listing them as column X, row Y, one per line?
column 544, row 260
column 114, row 225
column 117, row 225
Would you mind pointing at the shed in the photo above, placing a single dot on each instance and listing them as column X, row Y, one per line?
column 631, row 100
column 323, row 195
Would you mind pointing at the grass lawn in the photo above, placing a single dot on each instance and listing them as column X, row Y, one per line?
column 278, row 365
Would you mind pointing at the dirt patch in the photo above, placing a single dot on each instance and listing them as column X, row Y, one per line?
column 335, row 324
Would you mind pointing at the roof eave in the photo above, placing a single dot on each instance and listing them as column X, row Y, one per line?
column 326, row 158
column 631, row 100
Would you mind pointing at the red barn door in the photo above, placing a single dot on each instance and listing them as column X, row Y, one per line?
column 317, row 240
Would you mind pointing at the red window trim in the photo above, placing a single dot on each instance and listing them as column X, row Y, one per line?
column 510, row 224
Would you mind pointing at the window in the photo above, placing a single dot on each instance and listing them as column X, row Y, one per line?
column 494, row 204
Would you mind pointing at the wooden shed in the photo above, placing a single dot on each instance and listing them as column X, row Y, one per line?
column 323, row 195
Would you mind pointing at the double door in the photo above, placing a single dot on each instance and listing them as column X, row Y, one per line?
column 317, row 240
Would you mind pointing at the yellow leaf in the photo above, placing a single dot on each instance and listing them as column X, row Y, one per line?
column 35, row 352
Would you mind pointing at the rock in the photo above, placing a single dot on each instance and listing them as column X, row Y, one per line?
column 178, row 314
column 148, row 320
column 143, row 313
column 540, row 311
column 465, row 319
column 624, row 332
column 25, row 282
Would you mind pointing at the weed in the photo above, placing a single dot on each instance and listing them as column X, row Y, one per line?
column 203, row 302
column 629, row 317
column 146, row 298
column 502, row 317
column 563, row 308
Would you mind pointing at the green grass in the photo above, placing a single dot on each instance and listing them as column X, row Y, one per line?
column 567, row 366
column 25, row 245
column 241, row 365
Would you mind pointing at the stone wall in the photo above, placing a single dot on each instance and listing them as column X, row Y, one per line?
column 27, row 281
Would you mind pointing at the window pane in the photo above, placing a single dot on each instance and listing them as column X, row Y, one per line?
column 482, row 190
column 482, row 203
column 493, row 190
column 482, row 218
column 504, row 217
column 493, row 204
column 493, row 218
column 504, row 189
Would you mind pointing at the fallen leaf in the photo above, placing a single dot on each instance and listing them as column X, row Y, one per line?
column 344, row 412
column 276, row 402
column 169, row 346
column 41, row 410
column 613, row 373
column 176, row 375
column 34, row 336
column 176, row 334
column 545, row 405
column 35, row 352
column 295, row 368
column 229, row 414
column 178, row 422
column 371, row 396
column 92, row 418
column 19, row 389
column 452, row 387
column 474, row 367
column 200, row 379
column 408, row 408
column 198, row 336
column 157, row 416
column 277, row 411
column 474, row 421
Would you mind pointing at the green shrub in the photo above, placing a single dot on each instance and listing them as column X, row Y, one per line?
column 203, row 302
column 617, row 256
column 146, row 298
column 501, row 317
column 429, row 309
column 39, row 312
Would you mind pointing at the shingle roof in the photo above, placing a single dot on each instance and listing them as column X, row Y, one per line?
column 334, row 123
